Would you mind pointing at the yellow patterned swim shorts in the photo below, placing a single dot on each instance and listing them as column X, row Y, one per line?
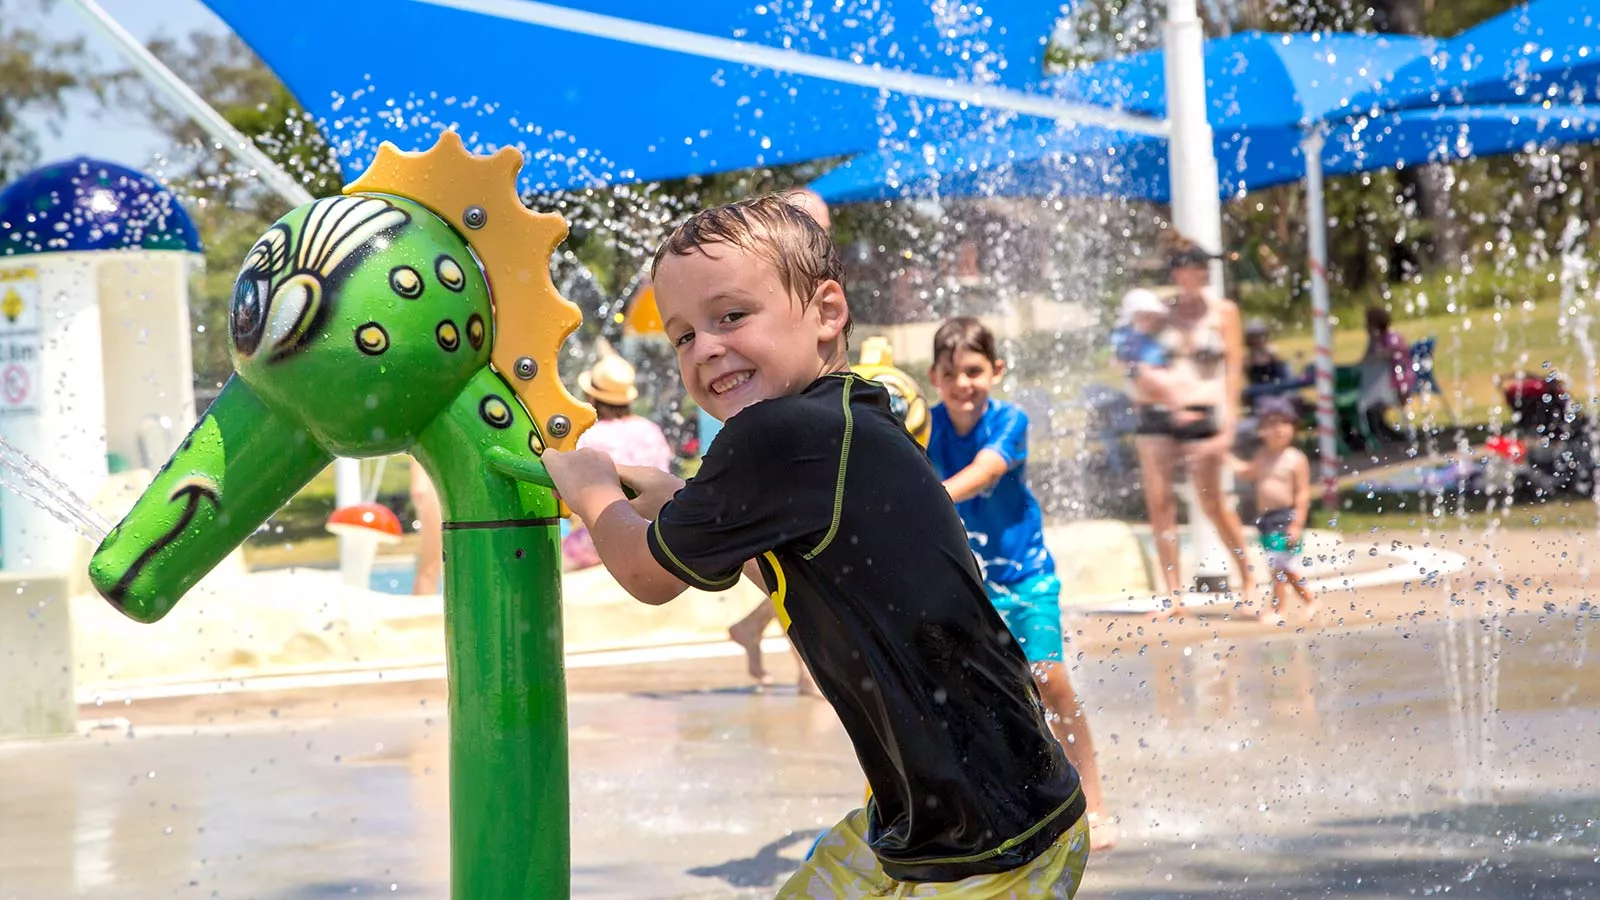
column 843, row 867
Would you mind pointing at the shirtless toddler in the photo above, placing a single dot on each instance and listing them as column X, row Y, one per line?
column 1282, row 477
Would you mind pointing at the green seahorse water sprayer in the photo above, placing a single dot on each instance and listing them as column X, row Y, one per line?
column 413, row 314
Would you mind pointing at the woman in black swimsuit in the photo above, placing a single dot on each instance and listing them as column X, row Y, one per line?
column 1204, row 344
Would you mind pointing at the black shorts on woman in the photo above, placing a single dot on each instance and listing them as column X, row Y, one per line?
column 1157, row 421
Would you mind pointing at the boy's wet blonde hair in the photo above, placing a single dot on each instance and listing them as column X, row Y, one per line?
column 772, row 228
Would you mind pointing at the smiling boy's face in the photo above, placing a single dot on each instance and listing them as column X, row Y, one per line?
column 964, row 379
column 740, row 337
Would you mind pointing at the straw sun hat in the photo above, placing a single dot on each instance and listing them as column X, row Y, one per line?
column 610, row 381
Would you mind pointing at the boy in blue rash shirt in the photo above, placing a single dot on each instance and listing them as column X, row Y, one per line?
column 979, row 447
column 815, row 490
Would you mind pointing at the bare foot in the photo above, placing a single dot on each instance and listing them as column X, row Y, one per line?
column 1172, row 604
column 805, row 685
column 1102, row 834
column 751, row 642
column 1247, row 610
column 1253, row 598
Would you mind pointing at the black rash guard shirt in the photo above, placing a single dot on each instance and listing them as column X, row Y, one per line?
column 873, row 578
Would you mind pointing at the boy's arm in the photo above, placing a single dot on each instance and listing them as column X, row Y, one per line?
column 589, row 483
column 653, row 488
column 1005, row 448
column 1155, row 381
column 1302, row 494
column 619, row 538
column 983, row 473
column 1244, row 470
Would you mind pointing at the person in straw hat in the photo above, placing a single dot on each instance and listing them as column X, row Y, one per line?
column 629, row 439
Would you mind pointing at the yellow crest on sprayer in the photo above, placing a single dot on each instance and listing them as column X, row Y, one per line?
column 477, row 195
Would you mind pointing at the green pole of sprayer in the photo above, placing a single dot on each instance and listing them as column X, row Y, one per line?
column 413, row 314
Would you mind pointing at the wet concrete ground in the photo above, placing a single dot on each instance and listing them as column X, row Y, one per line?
column 1430, row 739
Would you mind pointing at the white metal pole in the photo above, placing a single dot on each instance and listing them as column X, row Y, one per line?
column 1197, row 212
column 270, row 173
column 1317, row 243
column 347, row 472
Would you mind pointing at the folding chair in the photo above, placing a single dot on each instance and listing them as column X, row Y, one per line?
column 1347, row 405
column 1422, row 365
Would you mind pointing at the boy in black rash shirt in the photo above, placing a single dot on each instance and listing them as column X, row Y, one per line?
column 814, row 489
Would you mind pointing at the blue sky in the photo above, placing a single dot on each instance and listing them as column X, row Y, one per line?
column 124, row 137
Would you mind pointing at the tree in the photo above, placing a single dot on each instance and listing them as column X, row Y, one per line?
column 231, row 210
column 39, row 74
column 1389, row 225
column 239, row 86
column 1424, row 187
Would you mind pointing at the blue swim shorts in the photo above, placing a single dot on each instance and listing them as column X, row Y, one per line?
column 1031, row 608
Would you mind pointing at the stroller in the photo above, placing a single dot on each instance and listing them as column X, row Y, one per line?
column 1550, row 436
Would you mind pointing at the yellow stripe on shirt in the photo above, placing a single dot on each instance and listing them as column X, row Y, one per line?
column 780, row 591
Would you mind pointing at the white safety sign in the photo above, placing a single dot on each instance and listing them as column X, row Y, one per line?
column 19, row 341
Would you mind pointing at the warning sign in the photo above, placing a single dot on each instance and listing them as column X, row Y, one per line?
column 11, row 305
column 15, row 385
column 19, row 341
column 19, row 301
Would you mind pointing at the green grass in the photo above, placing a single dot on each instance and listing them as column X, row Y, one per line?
column 1579, row 515
column 302, row 518
column 322, row 550
column 1439, row 291
column 1476, row 347
column 1475, row 350
column 396, row 477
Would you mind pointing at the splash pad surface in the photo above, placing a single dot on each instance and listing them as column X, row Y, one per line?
column 306, row 626
column 1342, row 759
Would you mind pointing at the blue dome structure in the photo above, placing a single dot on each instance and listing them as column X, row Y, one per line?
column 89, row 204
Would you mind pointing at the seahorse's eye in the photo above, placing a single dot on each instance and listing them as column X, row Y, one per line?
column 248, row 314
